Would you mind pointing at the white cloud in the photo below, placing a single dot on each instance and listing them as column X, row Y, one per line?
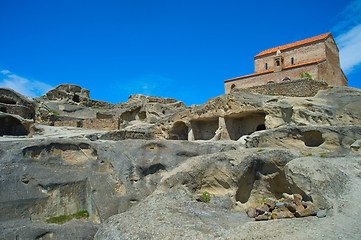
column 5, row 72
column 348, row 31
column 349, row 17
column 350, row 49
column 30, row 88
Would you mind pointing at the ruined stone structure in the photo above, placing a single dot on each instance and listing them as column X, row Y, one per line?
column 317, row 56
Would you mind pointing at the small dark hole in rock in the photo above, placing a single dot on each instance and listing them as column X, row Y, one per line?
column 24, row 179
column 313, row 138
column 261, row 127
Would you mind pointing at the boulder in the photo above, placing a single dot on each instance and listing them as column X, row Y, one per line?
column 252, row 212
column 12, row 102
column 307, row 212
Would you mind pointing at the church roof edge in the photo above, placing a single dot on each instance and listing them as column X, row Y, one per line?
column 295, row 44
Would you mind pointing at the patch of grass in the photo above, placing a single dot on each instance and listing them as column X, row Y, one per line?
column 54, row 113
column 81, row 214
column 207, row 196
column 305, row 74
column 260, row 150
column 323, row 156
column 263, row 200
column 95, row 107
column 65, row 218
column 309, row 155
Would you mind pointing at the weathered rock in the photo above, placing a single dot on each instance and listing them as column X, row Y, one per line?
column 292, row 207
column 316, row 180
column 307, row 212
column 252, row 212
column 270, row 203
column 262, row 217
column 297, row 199
column 356, row 146
column 262, row 209
column 14, row 103
column 15, row 125
column 139, row 189
column 321, row 214
column 282, row 214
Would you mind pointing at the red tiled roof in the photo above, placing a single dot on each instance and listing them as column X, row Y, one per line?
column 269, row 71
column 295, row 44
column 250, row 75
column 306, row 63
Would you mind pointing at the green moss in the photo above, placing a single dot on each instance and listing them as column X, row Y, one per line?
column 261, row 150
column 65, row 218
column 323, row 156
column 305, row 74
column 53, row 112
column 81, row 214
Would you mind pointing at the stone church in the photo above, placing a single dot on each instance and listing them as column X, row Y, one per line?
column 317, row 56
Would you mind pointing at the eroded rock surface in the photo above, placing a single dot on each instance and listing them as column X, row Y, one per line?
column 153, row 168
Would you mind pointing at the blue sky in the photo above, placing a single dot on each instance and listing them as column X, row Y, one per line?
column 179, row 49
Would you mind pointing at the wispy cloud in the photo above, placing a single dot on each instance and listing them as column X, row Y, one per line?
column 5, row 71
column 348, row 36
column 30, row 88
column 350, row 49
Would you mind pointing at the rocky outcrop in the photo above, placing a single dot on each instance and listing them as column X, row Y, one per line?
column 14, row 125
column 154, row 168
column 14, row 103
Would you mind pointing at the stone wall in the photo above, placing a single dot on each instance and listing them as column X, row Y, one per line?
column 256, row 80
column 101, row 124
column 98, row 124
column 68, row 123
column 304, row 87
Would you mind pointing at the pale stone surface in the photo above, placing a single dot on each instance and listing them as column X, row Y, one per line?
column 136, row 184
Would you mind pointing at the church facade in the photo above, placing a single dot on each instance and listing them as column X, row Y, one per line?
column 318, row 56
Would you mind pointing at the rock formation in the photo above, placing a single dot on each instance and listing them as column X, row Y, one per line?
column 153, row 168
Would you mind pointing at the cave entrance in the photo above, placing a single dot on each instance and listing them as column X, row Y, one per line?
column 132, row 115
column 205, row 129
column 313, row 138
column 245, row 124
column 76, row 98
column 12, row 126
column 179, row 131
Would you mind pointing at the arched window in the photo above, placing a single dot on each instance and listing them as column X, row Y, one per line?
column 233, row 86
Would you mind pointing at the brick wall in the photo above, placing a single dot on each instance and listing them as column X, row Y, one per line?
column 295, row 88
column 300, row 54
